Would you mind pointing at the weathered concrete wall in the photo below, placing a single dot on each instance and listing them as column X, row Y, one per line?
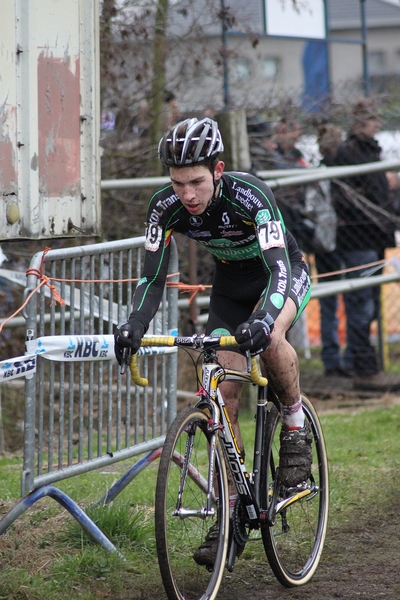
column 49, row 119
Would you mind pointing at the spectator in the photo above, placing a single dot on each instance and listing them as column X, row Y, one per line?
column 329, row 138
column 362, row 237
column 394, row 191
column 262, row 145
column 209, row 111
column 291, row 200
column 287, row 135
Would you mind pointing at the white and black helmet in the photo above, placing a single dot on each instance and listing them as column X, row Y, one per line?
column 190, row 142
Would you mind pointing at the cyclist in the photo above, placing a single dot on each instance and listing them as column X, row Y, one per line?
column 260, row 286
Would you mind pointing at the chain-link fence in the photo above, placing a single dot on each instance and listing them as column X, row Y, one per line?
column 347, row 129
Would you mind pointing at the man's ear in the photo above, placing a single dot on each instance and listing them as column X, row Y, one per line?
column 218, row 170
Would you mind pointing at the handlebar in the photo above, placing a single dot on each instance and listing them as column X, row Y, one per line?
column 195, row 342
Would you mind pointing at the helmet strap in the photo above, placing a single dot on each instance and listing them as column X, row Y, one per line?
column 214, row 196
column 215, row 184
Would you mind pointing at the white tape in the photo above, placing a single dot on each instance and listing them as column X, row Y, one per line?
column 66, row 348
column 20, row 366
column 73, row 347
column 82, row 347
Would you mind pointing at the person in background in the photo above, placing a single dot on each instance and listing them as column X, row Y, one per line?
column 362, row 237
column 291, row 199
column 287, row 134
column 262, row 145
column 329, row 137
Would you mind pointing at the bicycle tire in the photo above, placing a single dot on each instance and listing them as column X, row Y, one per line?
column 293, row 547
column 177, row 538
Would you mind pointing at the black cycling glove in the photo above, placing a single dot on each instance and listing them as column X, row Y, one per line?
column 128, row 336
column 255, row 334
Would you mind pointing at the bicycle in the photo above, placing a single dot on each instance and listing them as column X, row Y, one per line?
column 192, row 484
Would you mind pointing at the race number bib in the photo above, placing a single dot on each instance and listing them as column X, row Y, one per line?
column 153, row 237
column 271, row 235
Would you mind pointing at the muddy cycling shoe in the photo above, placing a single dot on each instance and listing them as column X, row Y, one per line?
column 207, row 551
column 295, row 455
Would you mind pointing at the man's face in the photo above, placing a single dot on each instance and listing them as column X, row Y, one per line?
column 368, row 128
column 269, row 144
column 194, row 185
column 372, row 127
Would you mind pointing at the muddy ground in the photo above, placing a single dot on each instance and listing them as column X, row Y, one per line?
column 361, row 558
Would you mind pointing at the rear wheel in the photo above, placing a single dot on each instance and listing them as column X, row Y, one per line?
column 294, row 543
column 181, row 516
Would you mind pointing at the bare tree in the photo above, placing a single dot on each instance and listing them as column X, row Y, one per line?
column 158, row 83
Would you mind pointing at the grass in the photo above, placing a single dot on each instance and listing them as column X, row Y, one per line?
column 45, row 553
column 130, row 527
column 10, row 479
column 363, row 459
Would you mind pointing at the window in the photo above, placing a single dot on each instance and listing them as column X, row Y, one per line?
column 240, row 69
column 270, row 67
column 376, row 62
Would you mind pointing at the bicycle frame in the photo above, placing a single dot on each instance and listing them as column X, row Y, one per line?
column 247, row 485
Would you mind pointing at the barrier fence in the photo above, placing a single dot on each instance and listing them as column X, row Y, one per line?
column 80, row 412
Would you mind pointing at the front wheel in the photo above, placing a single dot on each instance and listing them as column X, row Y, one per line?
column 294, row 543
column 182, row 515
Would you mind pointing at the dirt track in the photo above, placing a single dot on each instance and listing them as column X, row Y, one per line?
column 361, row 558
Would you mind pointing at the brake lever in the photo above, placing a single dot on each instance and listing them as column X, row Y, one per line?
column 249, row 361
column 126, row 354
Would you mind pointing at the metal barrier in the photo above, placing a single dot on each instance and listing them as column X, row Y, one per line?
column 82, row 415
column 274, row 178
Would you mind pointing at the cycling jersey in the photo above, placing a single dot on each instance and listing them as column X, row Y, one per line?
column 242, row 226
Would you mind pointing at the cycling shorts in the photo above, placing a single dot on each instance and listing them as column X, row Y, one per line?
column 238, row 286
